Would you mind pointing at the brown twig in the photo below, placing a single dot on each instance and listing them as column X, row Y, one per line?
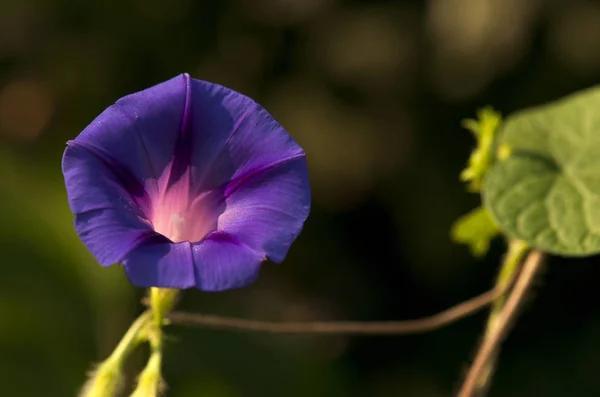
column 490, row 344
column 426, row 324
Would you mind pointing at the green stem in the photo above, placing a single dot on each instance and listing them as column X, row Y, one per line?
column 508, row 271
column 162, row 301
column 510, row 266
column 132, row 338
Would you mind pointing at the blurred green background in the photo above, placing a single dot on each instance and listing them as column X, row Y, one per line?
column 374, row 91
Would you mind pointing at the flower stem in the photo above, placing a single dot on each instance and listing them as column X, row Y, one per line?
column 162, row 300
column 131, row 339
column 150, row 382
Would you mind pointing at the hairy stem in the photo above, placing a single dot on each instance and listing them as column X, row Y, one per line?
column 132, row 337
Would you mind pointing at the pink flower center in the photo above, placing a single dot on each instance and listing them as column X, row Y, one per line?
column 180, row 217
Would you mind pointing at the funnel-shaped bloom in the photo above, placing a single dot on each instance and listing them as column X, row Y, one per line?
column 186, row 184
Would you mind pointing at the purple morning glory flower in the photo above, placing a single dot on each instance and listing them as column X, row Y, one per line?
column 187, row 184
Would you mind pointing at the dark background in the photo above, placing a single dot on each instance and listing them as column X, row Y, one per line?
column 374, row 91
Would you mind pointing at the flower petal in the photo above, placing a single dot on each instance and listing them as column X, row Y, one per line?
column 218, row 263
column 221, row 263
column 161, row 264
column 108, row 219
column 110, row 235
column 140, row 130
column 111, row 168
column 266, row 209
column 233, row 135
column 260, row 169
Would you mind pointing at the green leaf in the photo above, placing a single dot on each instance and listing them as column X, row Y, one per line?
column 484, row 129
column 547, row 192
column 475, row 229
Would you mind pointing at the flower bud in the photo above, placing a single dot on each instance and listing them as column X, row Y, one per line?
column 150, row 382
column 105, row 381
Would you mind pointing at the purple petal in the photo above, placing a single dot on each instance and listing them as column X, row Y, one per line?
column 108, row 221
column 221, row 263
column 232, row 135
column 218, row 263
column 110, row 235
column 261, row 169
column 111, row 168
column 266, row 209
column 161, row 264
column 140, row 130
